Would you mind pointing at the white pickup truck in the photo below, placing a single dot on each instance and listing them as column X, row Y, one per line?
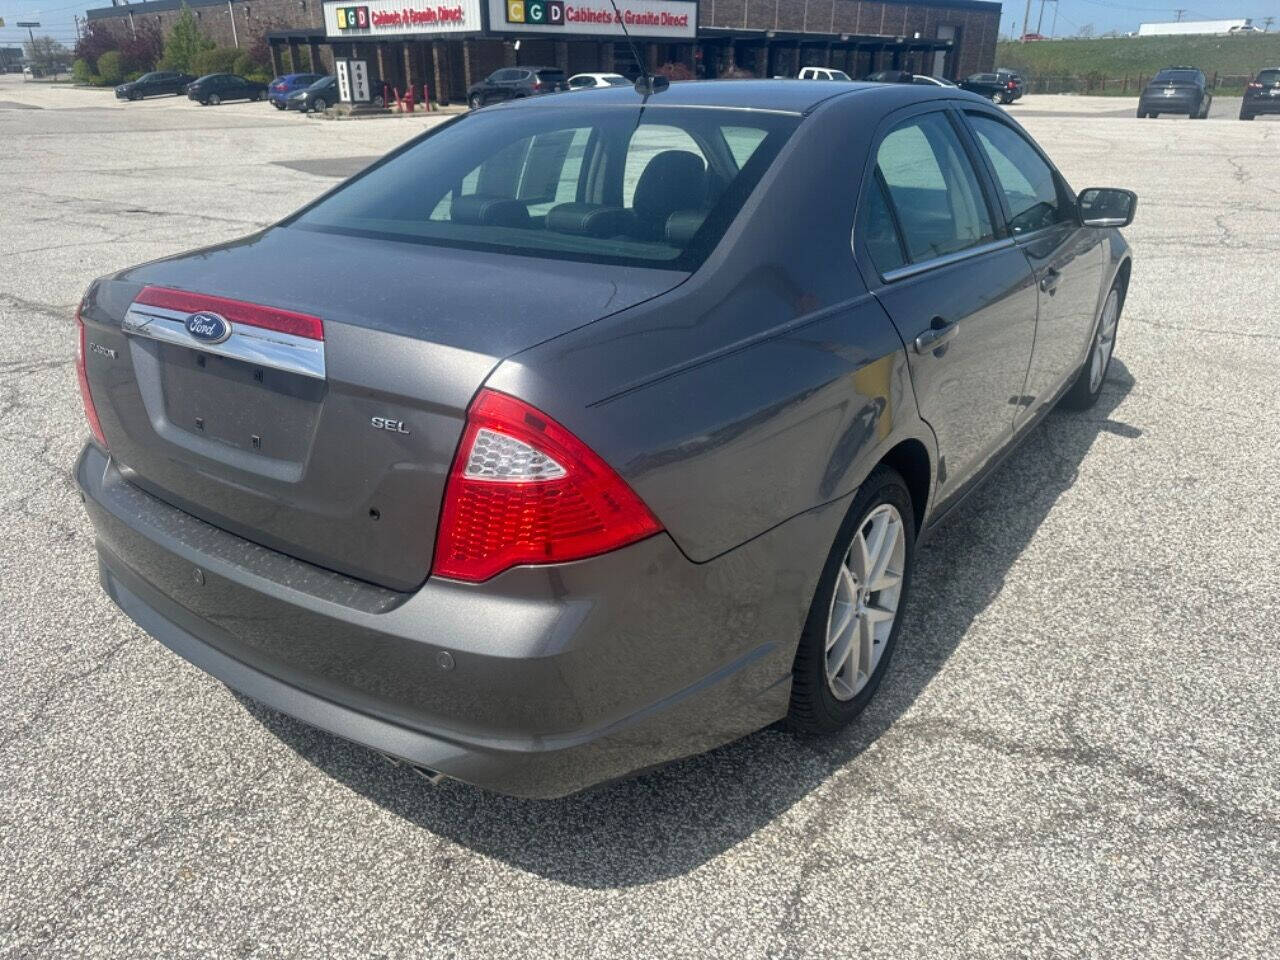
column 823, row 73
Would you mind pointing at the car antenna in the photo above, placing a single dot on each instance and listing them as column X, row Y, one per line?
column 648, row 83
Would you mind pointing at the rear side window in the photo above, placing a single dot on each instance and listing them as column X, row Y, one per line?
column 1034, row 194
column 554, row 76
column 878, row 230
column 651, row 187
column 933, row 188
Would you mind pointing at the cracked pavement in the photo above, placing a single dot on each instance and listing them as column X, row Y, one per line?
column 1073, row 755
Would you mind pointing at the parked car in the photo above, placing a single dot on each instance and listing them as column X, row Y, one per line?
column 589, row 81
column 997, row 87
column 318, row 97
column 278, row 90
column 927, row 80
column 213, row 88
column 890, row 76
column 1176, row 90
column 823, row 73
column 1011, row 76
column 663, row 479
column 154, row 84
column 1261, row 94
column 515, row 83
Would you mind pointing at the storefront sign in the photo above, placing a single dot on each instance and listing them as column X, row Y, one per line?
column 399, row 17
column 671, row 19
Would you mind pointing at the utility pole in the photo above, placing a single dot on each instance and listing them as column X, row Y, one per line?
column 1053, row 31
column 1026, row 18
column 1180, row 11
column 1040, row 21
column 1266, row 24
column 234, row 36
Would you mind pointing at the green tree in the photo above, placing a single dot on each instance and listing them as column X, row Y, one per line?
column 185, row 42
column 111, row 67
column 82, row 70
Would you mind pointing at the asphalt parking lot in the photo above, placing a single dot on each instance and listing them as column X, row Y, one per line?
column 1073, row 755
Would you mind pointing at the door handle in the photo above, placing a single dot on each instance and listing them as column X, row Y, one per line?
column 939, row 332
column 1049, row 281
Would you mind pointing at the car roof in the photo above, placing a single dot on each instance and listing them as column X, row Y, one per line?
column 788, row 96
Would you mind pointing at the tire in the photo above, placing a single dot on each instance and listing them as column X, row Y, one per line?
column 1006, row 100
column 1085, row 391
column 475, row 101
column 213, row 100
column 820, row 700
column 256, row 96
column 1142, row 115
column 134, row 95
column 278, row 106
column 997, row 97
column 1245, row 116
column 319, row 106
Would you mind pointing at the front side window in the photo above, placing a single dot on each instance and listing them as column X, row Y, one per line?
column 933, row 188
column 1033, row 192
column 599, row 184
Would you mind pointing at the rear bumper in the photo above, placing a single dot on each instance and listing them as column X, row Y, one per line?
column 1167, row 105
column 1260, row 105
column 540, row 683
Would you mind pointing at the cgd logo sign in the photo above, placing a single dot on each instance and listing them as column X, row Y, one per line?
column 353, row 18
column 542, row 13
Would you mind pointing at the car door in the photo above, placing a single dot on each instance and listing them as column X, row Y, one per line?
column 1067, row 258
column 934, row 251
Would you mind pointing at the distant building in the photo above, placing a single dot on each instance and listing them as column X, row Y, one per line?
column 449, row 46
column 10, row 59
column 1196, row 27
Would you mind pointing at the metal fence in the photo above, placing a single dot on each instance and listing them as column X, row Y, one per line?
column 1132, row 84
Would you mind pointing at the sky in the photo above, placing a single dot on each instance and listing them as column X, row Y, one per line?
column 56, row 15
column 1105, row 15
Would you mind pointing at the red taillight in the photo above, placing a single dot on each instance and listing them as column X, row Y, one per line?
column 537, row 84
column 1012, row 85
column 523, row 489
column 237, row 311
column 90, row 411
column 1255, row 85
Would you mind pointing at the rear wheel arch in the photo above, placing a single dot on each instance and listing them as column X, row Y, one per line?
column 910, row 458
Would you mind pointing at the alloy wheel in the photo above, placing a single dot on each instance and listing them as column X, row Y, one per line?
column 1105, row 341
column 865, row 602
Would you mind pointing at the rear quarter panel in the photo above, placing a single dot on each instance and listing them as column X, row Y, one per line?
column 769, row 383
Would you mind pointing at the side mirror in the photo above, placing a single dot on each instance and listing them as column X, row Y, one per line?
column 1106, row 207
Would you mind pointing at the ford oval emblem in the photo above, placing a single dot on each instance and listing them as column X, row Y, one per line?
column 208, row 327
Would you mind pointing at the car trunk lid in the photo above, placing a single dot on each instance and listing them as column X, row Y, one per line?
column 330, row 443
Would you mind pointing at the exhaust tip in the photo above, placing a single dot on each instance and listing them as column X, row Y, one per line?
column 433, row 777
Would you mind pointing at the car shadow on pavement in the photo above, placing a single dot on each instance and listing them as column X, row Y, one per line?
column 670, row 821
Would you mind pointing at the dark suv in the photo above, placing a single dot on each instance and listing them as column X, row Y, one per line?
column 153, row 85
column 1262, row 94
column 1003, row 86
column 512, row 83
column 1176, row 90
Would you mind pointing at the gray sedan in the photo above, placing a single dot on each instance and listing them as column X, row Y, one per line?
column 614, row 429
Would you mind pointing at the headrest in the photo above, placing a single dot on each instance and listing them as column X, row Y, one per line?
column 683, row 224
column 589, row 219
column 673, row 180
column 489, row 212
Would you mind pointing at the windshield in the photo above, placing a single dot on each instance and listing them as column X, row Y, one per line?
column 1269, row 78
column 1177, row 76
column 607, row 184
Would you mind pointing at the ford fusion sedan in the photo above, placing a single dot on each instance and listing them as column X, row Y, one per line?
column 1176, row 90
column 215, row 88
column 154, row 84
column 623, row 443
column 1261, row 95
column 318, row 97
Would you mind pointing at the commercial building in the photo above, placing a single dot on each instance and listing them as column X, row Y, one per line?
column 446, row 45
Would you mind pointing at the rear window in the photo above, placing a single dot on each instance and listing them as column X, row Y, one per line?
column 1178, row 76
column 1269, row 78
column 654, row 187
